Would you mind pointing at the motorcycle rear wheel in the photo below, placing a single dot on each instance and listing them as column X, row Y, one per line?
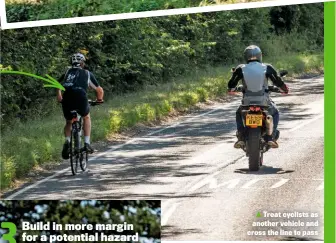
column 253, row 144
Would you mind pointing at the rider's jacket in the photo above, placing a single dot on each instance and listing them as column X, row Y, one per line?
column 77, row 78
column 254, row 76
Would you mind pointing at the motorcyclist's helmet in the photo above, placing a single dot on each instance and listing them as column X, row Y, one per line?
column 77, row 59
column 253, row 53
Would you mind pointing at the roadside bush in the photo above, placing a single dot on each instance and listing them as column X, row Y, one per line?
column 128, row 55
column 28, row 10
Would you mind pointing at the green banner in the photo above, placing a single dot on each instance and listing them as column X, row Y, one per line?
column 51, row 82
column 329, row 169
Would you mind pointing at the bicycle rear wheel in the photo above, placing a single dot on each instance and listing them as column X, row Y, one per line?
column 74, row 153
column 84, row 160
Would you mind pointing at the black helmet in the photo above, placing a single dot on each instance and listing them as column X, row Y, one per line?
column 253, row 53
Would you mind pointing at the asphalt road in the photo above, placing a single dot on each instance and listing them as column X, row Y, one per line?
column 206, row 190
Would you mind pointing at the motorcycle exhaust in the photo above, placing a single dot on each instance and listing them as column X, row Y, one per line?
column 269, row 125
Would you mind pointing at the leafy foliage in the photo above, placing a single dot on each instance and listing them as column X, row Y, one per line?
column 27, row 10
column 128, row 54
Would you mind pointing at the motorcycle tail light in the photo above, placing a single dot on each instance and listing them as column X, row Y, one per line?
column 257, row 109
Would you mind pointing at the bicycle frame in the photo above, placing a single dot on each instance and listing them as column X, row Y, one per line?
column 76, row 152
column 77, row 129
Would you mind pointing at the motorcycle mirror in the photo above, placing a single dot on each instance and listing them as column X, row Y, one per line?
column 283, row 73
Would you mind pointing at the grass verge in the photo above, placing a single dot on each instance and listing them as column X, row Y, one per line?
column 29, row 145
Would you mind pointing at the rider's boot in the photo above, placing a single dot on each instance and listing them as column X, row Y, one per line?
column 88, row 148
column 271, row 142
column 65, row 151
column 241, row 140
column 276, row 135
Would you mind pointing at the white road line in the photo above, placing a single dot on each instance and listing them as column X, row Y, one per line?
column 321, row 187
column 166, row 216
column 250, row 183
column 280, row 183
column 210, row 178
column 170, row 206
column 306, row 123
column 212, row 181
column 231, row 184
column 11, row 197
column 19, row 192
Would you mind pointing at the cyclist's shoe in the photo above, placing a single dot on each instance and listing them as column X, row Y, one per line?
column 271, row 142
column 88, row 148
column 66, row 150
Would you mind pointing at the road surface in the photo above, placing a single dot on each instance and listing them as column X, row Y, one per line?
column 206, row 191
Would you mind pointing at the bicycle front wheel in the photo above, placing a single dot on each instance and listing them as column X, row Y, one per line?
column 84, row 160
column 74, row 153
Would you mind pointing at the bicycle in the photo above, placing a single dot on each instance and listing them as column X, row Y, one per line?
column 77, row 151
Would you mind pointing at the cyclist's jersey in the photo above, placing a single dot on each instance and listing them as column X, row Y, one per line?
column 77, row 78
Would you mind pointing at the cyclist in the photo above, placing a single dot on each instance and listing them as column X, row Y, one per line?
column 76, row 81
column 254, row 76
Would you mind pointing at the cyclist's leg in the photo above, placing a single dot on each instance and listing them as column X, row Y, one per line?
column 87, row 128
column 87, row 133
column 84, row 111
column 67, row 130
column 66, row 106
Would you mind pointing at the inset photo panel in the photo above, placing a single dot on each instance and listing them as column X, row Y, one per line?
column 80, row 221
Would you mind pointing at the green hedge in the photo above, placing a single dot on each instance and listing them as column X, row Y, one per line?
column 126, row 55
column 28, row 10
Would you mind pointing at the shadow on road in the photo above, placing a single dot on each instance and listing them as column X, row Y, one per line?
column 292, row 238
column 167, row 154
column 172, row 231
column 264, row 170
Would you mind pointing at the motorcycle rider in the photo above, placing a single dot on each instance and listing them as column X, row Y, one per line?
column 76, row 81
column 254, row 76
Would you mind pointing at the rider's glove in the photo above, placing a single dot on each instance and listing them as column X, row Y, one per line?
column 285, row 89
column 231, row 91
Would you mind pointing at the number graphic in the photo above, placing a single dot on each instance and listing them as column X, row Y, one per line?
column 11, row 233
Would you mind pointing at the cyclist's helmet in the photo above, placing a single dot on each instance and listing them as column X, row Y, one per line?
column 77, row 59
column 253, row 53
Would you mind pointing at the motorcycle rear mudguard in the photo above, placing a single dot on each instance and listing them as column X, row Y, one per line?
column 244, row 112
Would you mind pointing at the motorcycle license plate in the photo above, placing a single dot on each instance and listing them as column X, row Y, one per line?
column 254, row 120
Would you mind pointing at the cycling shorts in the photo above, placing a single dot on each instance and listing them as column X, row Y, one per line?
column 75, row 99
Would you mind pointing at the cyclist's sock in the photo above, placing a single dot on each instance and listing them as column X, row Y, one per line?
column 87, row 139
column 67, row 139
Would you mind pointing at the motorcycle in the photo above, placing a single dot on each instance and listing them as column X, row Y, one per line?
column 257, row 125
